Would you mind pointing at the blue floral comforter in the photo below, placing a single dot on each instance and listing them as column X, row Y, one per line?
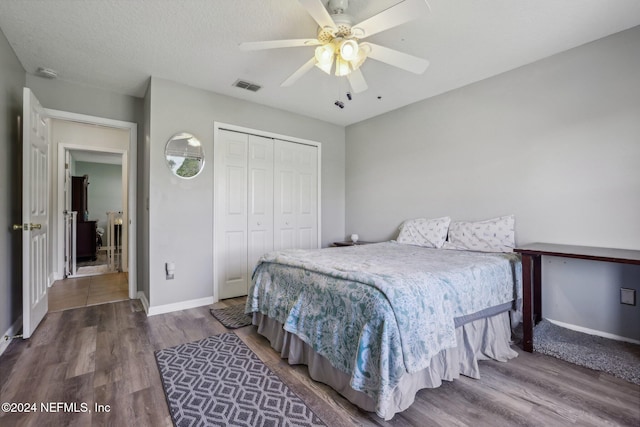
column 378, row 311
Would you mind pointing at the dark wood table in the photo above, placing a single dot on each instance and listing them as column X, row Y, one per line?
column 532, row 274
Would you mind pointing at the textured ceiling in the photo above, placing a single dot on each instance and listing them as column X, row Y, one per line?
column 117, row 45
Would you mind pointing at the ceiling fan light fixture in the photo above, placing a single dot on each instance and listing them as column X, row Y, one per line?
column 338, row 40
column 349, row 50
column 324, row 57
column 325, row 67
column 324, row 53
column 363, row 51
column 342, row 67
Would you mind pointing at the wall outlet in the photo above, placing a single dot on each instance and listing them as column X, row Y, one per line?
column 627, row 296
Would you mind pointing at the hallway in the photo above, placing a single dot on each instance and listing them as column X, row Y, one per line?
column 89, row 290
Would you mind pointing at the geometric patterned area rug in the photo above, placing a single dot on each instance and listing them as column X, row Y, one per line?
column 219, row 381
column 232, row 317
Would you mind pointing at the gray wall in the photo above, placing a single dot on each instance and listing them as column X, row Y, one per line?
column 556, row 142
column 181, row 211
column 12, row 80
column 76, row 98
column 105, row 189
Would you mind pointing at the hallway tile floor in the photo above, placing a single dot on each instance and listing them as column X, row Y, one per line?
column 89, row 290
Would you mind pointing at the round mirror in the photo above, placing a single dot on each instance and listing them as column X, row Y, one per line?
column 184, row 155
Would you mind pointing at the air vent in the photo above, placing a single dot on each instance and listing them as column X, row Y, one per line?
column 247, row 85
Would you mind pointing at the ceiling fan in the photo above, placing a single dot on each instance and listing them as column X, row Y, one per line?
column 339, row 41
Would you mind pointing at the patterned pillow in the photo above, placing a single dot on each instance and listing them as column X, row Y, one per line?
column 430, row 233
column 492, row 235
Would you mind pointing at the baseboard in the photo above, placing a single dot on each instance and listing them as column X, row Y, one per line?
column 145, row 302
column 56, row 276
column 183, row 305
column 593, row 332
column 13, row 330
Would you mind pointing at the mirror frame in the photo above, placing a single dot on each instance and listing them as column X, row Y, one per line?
column 190, row 149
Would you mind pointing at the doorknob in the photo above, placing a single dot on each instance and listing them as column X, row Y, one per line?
column 27, row 227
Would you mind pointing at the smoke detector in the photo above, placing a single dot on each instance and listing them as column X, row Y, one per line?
column 47, row 73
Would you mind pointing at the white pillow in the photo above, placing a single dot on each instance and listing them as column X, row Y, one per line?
column 492, row 235
column 430, row 233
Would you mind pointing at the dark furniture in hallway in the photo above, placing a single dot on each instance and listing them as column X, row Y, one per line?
column 86, row 237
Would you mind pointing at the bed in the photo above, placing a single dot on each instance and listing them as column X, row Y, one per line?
column 379, row 322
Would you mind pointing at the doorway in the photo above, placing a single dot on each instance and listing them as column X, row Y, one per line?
column 105, row 151
column 93, row 215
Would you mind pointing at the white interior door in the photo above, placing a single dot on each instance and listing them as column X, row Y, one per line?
column 260, row 203
column 296, row 196
column 307, row 197
column 265, row 198
column 230, row 155
column 35, row 213
column 285, row 218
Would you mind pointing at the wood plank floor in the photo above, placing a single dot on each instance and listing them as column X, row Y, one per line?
column 104, row 354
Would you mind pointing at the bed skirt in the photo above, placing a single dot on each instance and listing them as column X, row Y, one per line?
column 482, row 339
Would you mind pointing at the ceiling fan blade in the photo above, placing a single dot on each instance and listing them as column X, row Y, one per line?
column 318, row 12
column 275, row 44
column 299, row 72
column 397, row 59
column 357, row 81
column 396, row 15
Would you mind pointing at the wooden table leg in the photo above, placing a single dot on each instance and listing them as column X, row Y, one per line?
column 527, row 304
column 537, row 291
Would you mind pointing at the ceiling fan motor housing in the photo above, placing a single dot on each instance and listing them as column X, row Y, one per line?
column 343, row 23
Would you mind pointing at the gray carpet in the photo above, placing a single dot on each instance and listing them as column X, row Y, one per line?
column 232, row 317
column 617, row 358
column 219, row 381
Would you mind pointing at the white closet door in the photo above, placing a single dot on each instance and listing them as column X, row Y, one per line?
column 260, row 202
column 295, row 195
column 307, row 187
column 231, row 253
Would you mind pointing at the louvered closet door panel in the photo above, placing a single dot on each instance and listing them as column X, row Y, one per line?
column 231, row 209
column 260, row 203
column 295, row 192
